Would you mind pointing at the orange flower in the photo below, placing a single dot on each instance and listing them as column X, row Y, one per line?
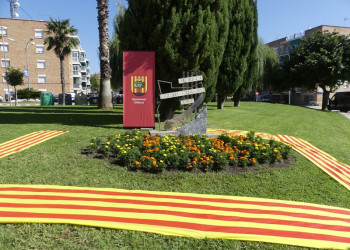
column 137, row 163
column 154, row 163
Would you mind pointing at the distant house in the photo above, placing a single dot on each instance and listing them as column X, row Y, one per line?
column 43, row 65
column 285, row 45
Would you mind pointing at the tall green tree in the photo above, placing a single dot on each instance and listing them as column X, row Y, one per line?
column 61, row 39
column 322, row 60
column 14, row 77
column 105, row 95
column 239, row 55
column 267, row 58
column 251, row 36
column 186, row 35
column 95, row 82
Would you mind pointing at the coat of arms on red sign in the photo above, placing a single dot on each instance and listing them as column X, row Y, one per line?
column 139, row 85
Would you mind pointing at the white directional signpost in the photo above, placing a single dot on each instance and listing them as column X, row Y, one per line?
column 182, row 93
column 192, row 94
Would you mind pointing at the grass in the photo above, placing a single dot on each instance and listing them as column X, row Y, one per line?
column 59, row 162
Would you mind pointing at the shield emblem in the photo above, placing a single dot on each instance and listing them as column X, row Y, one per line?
column 139, row 85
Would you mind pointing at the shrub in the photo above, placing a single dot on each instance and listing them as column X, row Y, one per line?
column 28, row 94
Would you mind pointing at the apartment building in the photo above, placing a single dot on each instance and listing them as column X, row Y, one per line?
column 285, row 45
column 22, row 46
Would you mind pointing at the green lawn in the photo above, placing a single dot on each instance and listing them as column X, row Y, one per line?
column 59, row 162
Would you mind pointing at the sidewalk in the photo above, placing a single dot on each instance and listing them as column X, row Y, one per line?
column 5, row 104
column 347, row 115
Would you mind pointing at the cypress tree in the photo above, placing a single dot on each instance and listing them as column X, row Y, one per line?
column 239, row 58
column 186, row 35
column 250, row 32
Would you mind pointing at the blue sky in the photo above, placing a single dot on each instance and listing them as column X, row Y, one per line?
column 277, row 18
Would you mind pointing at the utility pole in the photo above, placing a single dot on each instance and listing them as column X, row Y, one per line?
column 5, row 61
column 26, row 51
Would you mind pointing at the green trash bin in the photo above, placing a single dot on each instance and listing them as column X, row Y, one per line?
column 46, row 99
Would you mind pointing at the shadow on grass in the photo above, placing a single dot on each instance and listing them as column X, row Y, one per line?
column 67, row 115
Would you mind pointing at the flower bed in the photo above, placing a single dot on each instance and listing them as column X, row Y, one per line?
column 158, row 153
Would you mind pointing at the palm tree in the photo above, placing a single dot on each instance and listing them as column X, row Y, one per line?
column 105, row 98
column 61, row 39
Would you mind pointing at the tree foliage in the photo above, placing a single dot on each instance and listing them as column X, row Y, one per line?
column 322, row 59
column 251, row 36
column 239, row 61
column 14, row 77
column 95, row 82
column 61, row 39
column 186, row 35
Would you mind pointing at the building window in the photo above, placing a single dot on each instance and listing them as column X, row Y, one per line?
column 40, row 64
column 40, row 49
column 41, row 78
column 76, row 69
column 4, row 47
column 82, row 56
column 5, row 63
column 39, row 33
column 3, row 30
column 346, row 84
column 3, row 78
column 75, row 56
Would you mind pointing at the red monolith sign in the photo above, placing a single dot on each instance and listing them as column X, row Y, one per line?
column 138, row 89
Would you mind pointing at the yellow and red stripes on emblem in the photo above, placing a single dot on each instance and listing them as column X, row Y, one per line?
column 337, row 170
column 27, row 141
column 179, row 214
column 143, row 79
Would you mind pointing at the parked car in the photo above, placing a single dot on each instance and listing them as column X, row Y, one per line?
column 92, row 98
column 72, row 94
column 263, row 98
column 340, row 101
column 118, row 99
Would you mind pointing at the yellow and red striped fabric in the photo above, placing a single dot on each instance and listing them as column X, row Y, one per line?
column 179, row 214
column 27, row 141
column 337, row 170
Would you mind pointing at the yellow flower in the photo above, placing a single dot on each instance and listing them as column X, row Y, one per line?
column 94, row 138
column 165, row 155
column 106, row 146
column 108, row 143
column 161, row 161
column 91, row 144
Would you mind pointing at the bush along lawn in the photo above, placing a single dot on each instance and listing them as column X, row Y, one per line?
column 155, row 154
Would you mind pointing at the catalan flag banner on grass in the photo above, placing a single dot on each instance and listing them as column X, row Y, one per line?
column 337, row 170
column 179, row 214
column 27, row 141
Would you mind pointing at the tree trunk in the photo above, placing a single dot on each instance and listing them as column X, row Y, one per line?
column 16, row 96
column 236, row 103
column 325, row 98
column 105, row 96
column 63, row 82
column 220, row 101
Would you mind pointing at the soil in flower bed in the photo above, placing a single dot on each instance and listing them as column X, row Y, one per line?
column 285, row 163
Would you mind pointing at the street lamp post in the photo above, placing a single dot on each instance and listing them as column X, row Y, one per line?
column 8, row 86
column 26, row 51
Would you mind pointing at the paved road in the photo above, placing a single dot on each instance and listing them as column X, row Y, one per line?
column 347, row 115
